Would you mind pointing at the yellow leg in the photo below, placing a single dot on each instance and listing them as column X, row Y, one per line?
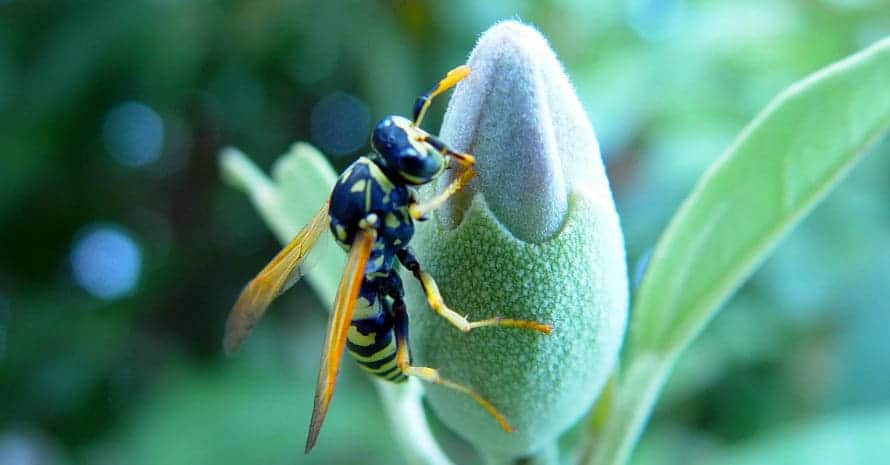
column 418, row 211
column 434, row 297
column 430, row 375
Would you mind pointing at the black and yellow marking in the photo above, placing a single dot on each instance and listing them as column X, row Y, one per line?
column 373, row 346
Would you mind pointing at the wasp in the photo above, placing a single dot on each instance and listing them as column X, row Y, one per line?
column 371, row 213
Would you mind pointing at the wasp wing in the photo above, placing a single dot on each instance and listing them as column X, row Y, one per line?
column 278, row 276
column 341, row 318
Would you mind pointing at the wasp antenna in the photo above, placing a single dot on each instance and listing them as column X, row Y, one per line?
column 450, row 80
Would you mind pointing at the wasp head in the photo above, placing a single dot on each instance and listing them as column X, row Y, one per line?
column 404, row 153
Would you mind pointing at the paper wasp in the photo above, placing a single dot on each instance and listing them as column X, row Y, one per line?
column 371, row 213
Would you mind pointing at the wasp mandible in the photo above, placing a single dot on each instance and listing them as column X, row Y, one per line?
column 371, row 213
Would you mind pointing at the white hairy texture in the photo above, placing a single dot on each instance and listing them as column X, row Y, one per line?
column 518, row 114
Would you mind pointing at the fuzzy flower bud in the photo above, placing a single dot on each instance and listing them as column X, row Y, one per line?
column 536, row 237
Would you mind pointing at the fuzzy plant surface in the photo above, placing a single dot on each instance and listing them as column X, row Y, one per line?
column 535, row 236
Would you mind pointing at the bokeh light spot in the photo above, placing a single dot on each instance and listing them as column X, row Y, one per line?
column 339, row 124
column 133, row 134
column 106, row 261
column 18, row 448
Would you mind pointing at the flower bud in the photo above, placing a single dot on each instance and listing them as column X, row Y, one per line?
column 535, row 236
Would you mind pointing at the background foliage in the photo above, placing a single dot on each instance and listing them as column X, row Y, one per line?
column 121, row 250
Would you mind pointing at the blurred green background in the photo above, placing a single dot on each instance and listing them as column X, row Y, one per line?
column 121, row 250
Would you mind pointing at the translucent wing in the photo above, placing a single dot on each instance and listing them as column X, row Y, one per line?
column 280, row 274
column 341, row 317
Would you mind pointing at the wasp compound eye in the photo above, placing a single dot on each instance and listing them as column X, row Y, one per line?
column 420, row 168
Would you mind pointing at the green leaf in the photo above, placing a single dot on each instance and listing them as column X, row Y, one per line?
column 303, row 180
column 780, row 166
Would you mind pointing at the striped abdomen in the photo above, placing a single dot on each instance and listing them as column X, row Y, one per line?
column 371, row 342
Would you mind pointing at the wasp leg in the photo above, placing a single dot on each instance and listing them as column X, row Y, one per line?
column 437, row 303
column 430, row 375
column 465, row 159
column 450, row 80
column 418, row 211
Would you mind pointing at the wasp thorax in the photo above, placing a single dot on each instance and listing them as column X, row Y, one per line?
column 403, row 152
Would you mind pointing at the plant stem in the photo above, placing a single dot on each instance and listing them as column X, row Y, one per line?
column 408, row 422
column 641, row 382
column 242, row 173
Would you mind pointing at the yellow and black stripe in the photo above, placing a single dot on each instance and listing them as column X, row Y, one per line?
column 372, row 344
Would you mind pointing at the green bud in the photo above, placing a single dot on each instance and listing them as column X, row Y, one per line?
column 536, row 237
